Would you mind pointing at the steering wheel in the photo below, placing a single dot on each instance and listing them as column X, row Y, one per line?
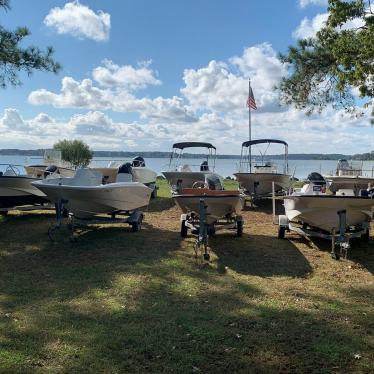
column 200, row 184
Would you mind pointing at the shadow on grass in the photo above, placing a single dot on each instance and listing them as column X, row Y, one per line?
column 265, row 206
column 135, row 302
column 160, row 204
column 360, row 252
column 260, row 255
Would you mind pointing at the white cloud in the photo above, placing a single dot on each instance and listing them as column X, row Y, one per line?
column 126, row 76
column 304, row 3
column 309, row 27
column 92, row 123
column 12, row 120
column 75, row 94
column 80, row 21
column 218, row 87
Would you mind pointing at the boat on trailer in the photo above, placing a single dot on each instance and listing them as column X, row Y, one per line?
column 181, row 174
column 256, row 178
column 311, row 211
column 207, row 207
column 350, row 175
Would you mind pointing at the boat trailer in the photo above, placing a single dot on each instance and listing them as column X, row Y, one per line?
column 202, row 230
column 339, row 238
column 27, row 208
column 74, row 224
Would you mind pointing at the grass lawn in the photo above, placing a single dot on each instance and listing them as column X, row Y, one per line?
column 123, row 302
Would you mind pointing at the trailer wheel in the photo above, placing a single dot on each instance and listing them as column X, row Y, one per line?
column 281, row 232
column 335, row 256
column 366, row 236
column 154, row 193
column 137, row 225
column 3, row 213
column 239, row 229
column 184, row 229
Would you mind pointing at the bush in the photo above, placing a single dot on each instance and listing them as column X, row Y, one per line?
column 76, row 152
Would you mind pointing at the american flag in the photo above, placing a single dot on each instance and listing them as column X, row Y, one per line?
column 251, row 102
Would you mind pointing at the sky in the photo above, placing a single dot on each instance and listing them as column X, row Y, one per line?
column 139, row 75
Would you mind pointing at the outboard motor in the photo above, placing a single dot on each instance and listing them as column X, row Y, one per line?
column 214, row 182
column 138, row 161
column 124, row 173
column 49, row 170
column 204, row 166
column 317, row 182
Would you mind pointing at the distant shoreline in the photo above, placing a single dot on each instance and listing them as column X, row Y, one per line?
column 148, row 154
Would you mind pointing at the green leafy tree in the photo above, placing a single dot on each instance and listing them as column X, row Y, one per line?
column 14, row 58
column 324, row 69
column 76, row 152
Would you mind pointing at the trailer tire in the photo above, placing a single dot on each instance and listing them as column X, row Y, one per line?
column 239, row 229
column 281, row 232
column 154, row 193
column 3, row 213
column 184, row 229
column 366, row 236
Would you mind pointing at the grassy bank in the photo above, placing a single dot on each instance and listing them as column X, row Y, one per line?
column 123, row 302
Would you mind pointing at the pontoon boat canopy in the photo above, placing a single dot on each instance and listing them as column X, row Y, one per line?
column 192, row 144
column 248, row 143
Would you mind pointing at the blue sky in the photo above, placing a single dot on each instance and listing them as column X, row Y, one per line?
column 141, row 74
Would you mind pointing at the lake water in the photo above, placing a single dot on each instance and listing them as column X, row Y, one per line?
column 224, row 167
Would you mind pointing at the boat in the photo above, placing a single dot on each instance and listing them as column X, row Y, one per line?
column 219, row 203
column 256, row 178
column 85, row 196
column 140, row 173
column 181, row 174
column 335, row 216
column 350, row 175
column 50, row 157
column 16, row 189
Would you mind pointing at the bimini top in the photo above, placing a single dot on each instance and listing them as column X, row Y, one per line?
column 192, row 144
column 248, row 143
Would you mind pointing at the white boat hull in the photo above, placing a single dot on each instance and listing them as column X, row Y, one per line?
column 260, row 184
column 321, row 211
column 349, row 182
column 18, row 191
column 185, row 179
column 87, row 201
column 217, row 206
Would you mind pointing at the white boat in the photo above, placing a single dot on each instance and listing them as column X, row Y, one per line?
column 181, row 174
column 51, row 157
column 16, row 189
column 257, row 178
column 219, row 203
column 350, row 175
column 313, row 207
column 85, row 196
column 140, row 173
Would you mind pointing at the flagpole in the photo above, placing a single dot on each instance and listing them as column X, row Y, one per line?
column 249, row 128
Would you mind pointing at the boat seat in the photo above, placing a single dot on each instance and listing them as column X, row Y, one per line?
column 124, row 177
column 87, row 177
column 208, row 192
column 345, row 192
column 184, row 168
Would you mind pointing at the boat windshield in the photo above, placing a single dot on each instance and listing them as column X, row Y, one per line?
column 199, row 160
column 261, row 163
